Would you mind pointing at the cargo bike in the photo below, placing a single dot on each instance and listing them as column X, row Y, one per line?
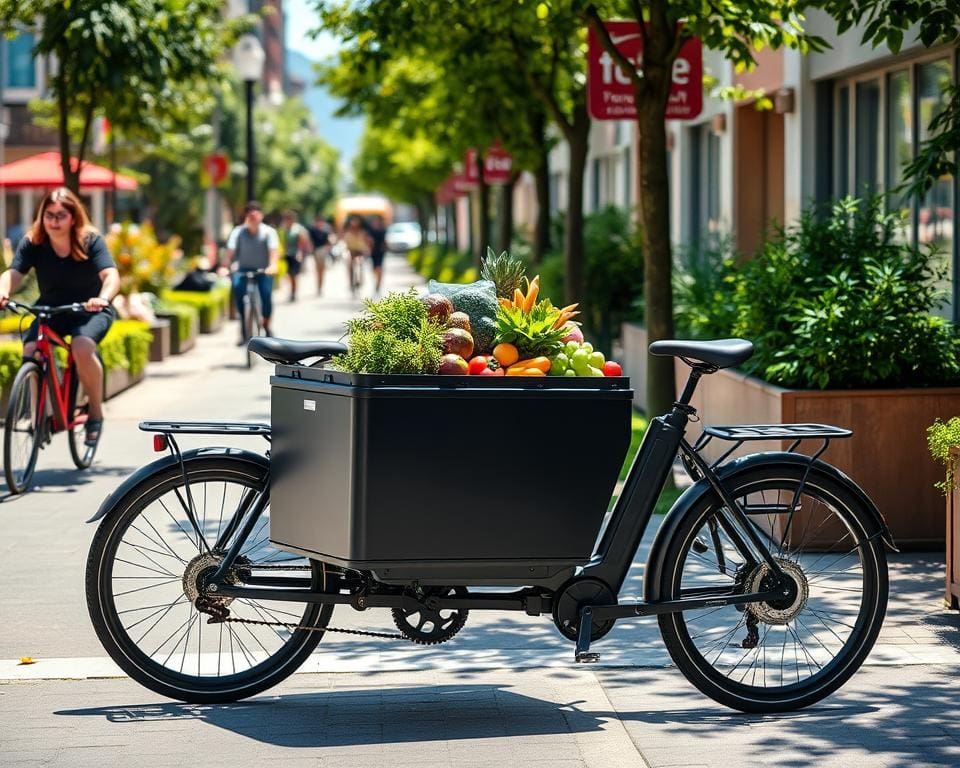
column 214, row 572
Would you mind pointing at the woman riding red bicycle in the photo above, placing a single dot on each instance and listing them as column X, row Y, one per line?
column 73, row 265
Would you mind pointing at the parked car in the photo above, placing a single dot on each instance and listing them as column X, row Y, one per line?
column 403, row 236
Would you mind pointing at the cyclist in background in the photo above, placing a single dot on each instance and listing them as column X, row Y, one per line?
column 322, row 240
column 357, row 241
column 73, row 265
column 253, row 245
column 296, row 245
column 377, row 231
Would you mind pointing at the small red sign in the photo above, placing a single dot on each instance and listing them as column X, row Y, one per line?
column 609, row 90
column 213, row 172
column 497, row 166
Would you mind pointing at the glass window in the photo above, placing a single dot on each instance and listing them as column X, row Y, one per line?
column 899, row 137
column 935, row 218
column 842, row 180
column 867, row 174
column 21, row 68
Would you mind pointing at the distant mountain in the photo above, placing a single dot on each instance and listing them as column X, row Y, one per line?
column 341, row 132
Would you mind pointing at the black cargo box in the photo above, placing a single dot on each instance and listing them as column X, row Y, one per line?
column 458, row 479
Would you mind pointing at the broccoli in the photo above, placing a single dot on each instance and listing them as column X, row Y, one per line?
column 479, row 301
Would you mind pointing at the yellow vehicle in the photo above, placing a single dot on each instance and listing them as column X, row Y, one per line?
column 362, row 205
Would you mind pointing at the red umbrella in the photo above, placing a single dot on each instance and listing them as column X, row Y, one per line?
column 44, row 170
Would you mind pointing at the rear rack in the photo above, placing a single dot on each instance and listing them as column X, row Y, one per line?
column 206, row 427
column 738, row 434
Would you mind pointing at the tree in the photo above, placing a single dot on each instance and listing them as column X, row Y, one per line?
column 735, row 27
column 142, row 63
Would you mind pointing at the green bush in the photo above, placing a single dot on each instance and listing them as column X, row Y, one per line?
column 435, row 261
column 704, row 280
column 185, row 316
column 612, row 274
column 126, row 346
column 210, row 304
column 941, row 437
column 839, row 301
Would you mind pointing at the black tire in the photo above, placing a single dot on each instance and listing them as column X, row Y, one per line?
column 142, row 543
column 22, row 430
column 249, row 326
column 78, row 408
column 838, row 609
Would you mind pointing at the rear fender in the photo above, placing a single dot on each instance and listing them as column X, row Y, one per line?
column 164, row 463
column 729, row 472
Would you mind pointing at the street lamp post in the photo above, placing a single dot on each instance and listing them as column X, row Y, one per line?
column 248, row 59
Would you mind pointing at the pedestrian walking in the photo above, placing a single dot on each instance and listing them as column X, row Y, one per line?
column 377, row 231
column 296, row 244
column 251, row 246
column 321, row 237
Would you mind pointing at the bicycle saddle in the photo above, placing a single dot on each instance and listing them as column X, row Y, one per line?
column 722, row 353
column 290, row 351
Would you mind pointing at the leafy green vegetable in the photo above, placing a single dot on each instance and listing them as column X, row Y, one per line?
column 392, row 335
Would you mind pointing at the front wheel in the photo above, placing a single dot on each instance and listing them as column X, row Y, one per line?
column 787, row 653
column 147, row 566
column 22, row 431
column 79, row 410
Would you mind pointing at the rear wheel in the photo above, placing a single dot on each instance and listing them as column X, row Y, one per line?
column 787, row 653
column 147, row 566
column 79, row 410
column 22, row 431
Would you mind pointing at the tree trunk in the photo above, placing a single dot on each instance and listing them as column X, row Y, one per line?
column 541, row 232
column 655, row 210
column 573, row 233
column 505, row 214
column 483, row 220
column 71, row 177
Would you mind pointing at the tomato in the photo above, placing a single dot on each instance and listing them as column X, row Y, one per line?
column 611, row 368
column 477, row 365
column 492, row 372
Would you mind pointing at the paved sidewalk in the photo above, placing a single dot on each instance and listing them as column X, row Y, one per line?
column 506, row 689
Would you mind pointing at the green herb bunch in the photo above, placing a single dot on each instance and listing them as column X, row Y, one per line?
column 533, row 333
column 392, row 335
column 941, row 437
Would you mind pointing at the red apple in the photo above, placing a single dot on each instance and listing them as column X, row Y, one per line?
column 453, row 365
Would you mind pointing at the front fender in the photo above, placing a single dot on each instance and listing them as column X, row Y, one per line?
column 164, row 463
column 729, row 472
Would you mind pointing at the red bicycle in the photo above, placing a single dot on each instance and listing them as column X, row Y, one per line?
column 44, row 400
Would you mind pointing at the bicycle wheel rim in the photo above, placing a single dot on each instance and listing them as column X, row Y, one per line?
column 81, row 453
column 173, row 660
column 21, row 434
column 810, row 655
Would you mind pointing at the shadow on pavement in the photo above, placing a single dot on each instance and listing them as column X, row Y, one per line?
column 64, row 480
column 371, row 716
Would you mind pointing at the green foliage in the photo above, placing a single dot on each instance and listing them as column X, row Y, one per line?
column 703, row 284
column 186, row 316
column 11, row 355
column 434, row 261
column 533, row 333
column 392, row 335
column 838, row 301
column 148, row 64
column 941, row 438
column 209, row 304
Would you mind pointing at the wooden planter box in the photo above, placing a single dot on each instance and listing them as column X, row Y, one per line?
column 177, row 345
column 887, row 454
column 953, row 541
column 160, row 346
column 117, row 380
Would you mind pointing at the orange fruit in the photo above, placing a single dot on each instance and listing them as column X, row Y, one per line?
column 506, row 354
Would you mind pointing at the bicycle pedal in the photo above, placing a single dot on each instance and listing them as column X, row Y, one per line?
column 587, row 658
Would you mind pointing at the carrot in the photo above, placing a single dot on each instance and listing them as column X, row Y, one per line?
column 532, row 294
column 518, row 298
column 541, row 364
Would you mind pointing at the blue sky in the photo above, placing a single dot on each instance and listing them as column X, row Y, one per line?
column 301, row 18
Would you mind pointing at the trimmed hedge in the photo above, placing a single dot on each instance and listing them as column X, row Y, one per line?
column 126, row 346
column 186, row 316
column 437, row 262
column 210, row 304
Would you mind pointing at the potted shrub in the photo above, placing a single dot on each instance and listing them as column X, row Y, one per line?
column 944, row 441
column 839, row 308
column 184, row 322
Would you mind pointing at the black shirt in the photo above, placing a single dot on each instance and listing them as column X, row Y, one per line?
column 319, row 236
column 63, row 280
column 379, row 237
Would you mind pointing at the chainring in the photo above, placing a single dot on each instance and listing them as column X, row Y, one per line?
column 426, row 625
column 574, row 596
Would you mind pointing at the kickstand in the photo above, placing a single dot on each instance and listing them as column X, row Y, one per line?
column 583, row 654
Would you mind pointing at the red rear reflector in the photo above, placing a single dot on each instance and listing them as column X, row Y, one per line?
column 159, row 443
